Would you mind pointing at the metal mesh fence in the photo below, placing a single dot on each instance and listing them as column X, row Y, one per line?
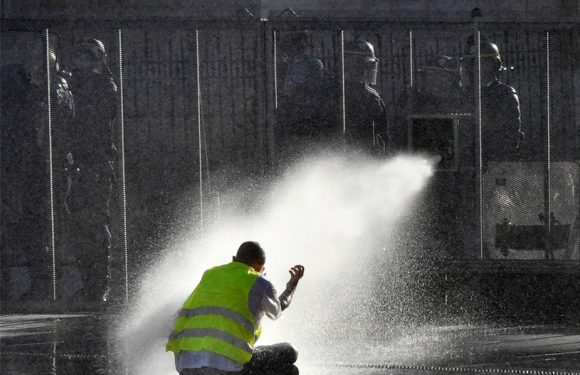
column 307, row 111
column 200, row 105
column 160, row 115
column 525, row 216
column 25, row 195
column 436, row 118
column 564, row 145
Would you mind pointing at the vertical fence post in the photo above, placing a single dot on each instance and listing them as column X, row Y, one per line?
column 123, row 178
column 478, row 119
column 411, row 62
column 342, row 88
column 51, row 185
column 270, row 95
column 410, row 91
column 199, row 132
column 548, row 163
column 275, row 47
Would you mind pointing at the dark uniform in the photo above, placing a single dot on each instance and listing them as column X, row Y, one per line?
column 366, row 125
column 298, row 113
column 501, row 132
column 93, row 154
column 301, row 72
column 313, row 115
column 63, row 172
column 500, row 106
column 366, row 117
column 300, row 120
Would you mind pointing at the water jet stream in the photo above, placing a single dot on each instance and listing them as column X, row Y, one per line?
column 334, row 214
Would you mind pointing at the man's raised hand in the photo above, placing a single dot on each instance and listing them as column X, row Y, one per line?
column 296, row 274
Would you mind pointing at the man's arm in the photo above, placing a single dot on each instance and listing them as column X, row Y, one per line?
column 296, row 274
column 269, row 303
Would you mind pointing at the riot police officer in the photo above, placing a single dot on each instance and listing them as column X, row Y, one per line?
column 62, row 106
column 93, row 153
column 303, row 71
column 300, row 121
column 500, row 106
column 365, row 112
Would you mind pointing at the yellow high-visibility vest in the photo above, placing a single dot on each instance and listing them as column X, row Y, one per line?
column 216, row 316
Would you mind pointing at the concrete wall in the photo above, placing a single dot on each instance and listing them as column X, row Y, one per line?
column 396, row 10
column 429, row 10
column 126, row 9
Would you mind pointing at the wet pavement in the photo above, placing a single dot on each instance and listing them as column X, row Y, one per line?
column 55, row 344
column 80, row 344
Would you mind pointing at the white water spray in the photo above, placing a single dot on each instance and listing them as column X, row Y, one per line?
column 329, row 213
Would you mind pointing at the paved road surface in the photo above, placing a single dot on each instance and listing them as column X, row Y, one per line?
column 78, row 344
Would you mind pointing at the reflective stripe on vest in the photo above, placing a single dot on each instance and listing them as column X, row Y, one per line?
column 202, row 332
column 216, row 316
column 218, row 311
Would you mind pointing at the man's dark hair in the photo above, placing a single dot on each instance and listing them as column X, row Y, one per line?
column 249, row 252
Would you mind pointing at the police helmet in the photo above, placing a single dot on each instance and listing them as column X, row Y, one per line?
column 488, row 52
column 96, row 44
column 361, row 63
column 360, row 49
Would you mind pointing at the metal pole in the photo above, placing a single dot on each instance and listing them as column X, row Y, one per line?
column 275, row 71
column 411, row 63
column 409, row 105
column 199, row 132
column 548, row 165
column 342, row 88
column 123, row 179
column 50, row 163
column 479, row 122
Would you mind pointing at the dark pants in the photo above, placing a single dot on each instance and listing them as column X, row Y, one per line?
column 275, row 359
column 90, row 235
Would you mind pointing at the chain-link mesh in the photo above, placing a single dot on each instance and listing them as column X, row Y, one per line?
column 161, row 132
column 437, row 115
column 564, row 146
column 528, row 194
column 203, row 106
column 307, row 66
column 24, row 144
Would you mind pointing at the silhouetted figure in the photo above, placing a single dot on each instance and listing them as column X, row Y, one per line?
column 300, row 121
column 62, row 115
column 365, row 112
column 303, row 71
column 93, row 153
column 25, row 189
column 500, row 106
